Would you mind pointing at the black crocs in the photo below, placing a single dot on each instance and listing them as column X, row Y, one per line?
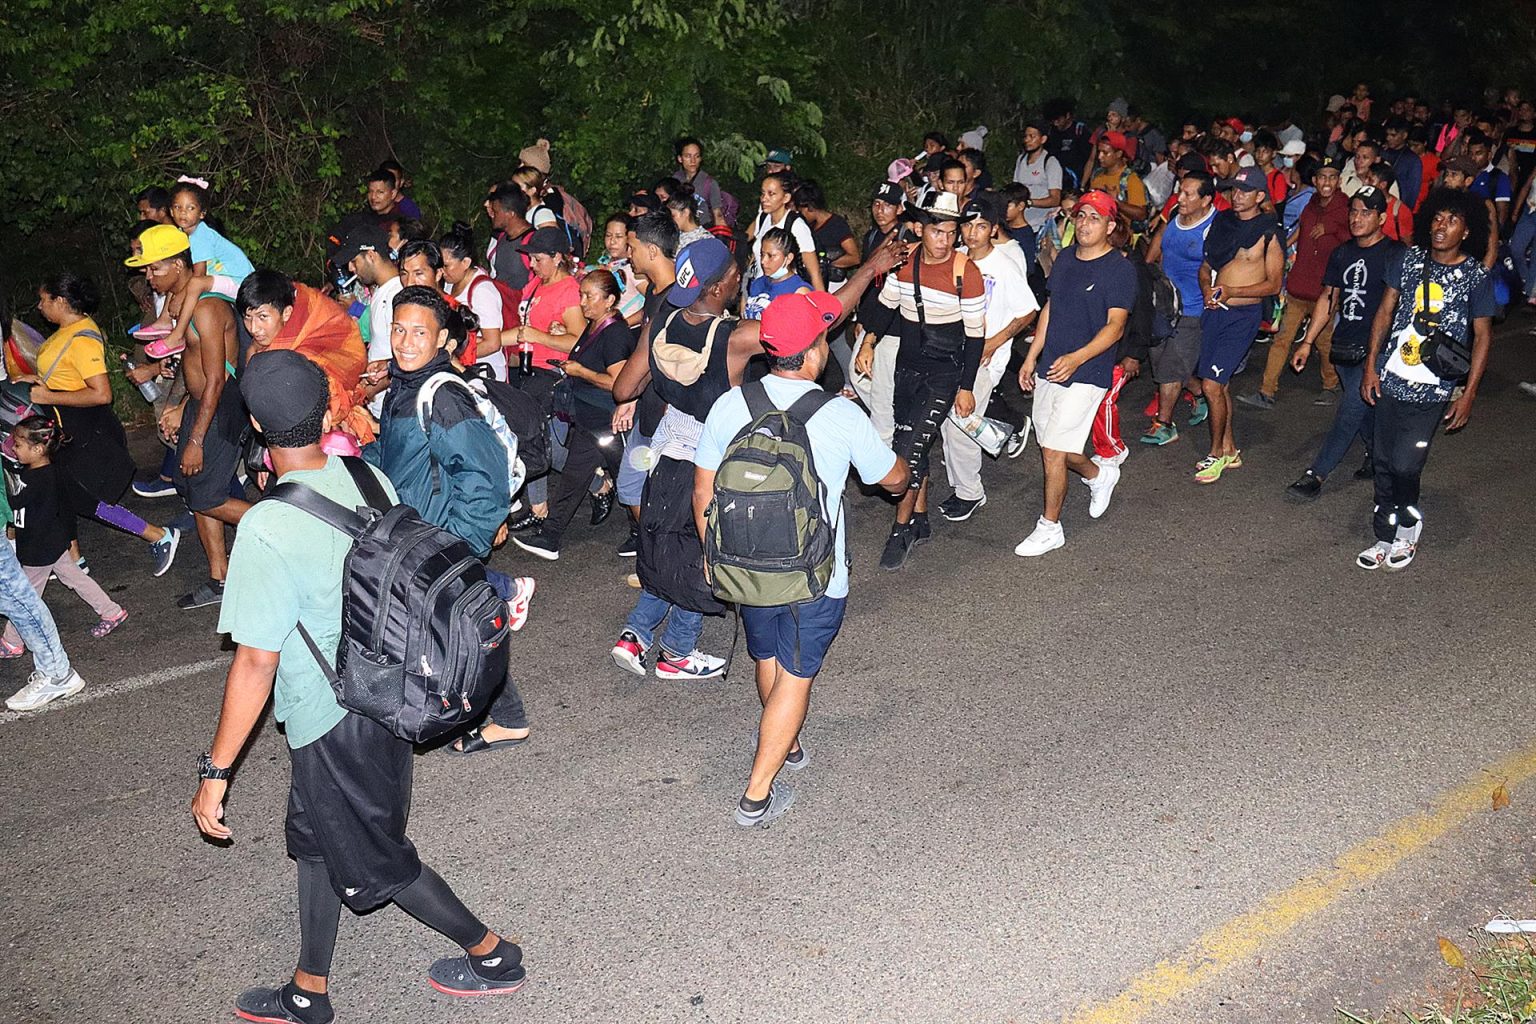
column 287, row 1005
column 500, row 972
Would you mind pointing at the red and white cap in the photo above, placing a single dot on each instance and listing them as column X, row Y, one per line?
column 792, row 323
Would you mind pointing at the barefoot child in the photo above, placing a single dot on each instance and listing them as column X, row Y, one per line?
column 44, row 528
column 218, row 267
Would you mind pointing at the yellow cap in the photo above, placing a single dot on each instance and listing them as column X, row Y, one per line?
column 159, row 243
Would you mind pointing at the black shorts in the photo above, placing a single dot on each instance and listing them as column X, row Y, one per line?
column 223, row 447
column 347, row 807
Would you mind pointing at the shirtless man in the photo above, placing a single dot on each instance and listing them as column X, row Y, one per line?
column 1245, row 254
column 209, row 426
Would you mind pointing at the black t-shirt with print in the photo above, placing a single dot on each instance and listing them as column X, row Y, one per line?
column 648, row 413
column 45, row 526
column 1360, row 274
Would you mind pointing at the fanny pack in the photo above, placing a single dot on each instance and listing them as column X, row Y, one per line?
column 679, row 362
column 1444, row 355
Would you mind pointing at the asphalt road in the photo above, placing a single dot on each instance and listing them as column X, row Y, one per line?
column 1031, row 780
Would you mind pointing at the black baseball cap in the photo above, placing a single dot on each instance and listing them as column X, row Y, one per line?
column 548, row 241
column 889, row 192
column 281, row 387
column 363, row 238
column 1373, row 198
column 988, row 207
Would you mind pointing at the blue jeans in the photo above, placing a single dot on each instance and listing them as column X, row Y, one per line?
column 1521, row 244
column 1352, row 419
column 631, row 479
column 22, row 605
column 683, row 626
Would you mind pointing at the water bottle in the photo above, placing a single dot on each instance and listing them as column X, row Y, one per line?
column 150, row 389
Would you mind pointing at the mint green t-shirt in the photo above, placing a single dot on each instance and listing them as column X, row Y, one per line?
column 286, row 567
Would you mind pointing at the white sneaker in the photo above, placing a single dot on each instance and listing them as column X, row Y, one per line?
column 1020, row 439
column 1102, row 488
column 1048, row 536
column 522, row 597
column 40, row 689
column 697, row 665
column 1529, row 387
column 1375, row 556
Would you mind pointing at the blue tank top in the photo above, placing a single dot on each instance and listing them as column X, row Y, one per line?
column 1183, row 252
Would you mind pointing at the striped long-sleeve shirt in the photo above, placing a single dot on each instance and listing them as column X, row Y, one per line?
column 954, row 304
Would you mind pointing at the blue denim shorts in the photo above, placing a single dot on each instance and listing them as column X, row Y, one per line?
column 796, row 635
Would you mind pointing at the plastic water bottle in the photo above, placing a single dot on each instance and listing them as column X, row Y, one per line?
column 150, row 389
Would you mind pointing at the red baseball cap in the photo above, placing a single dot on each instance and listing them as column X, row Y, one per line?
column 792, row 323
column 1236, row 124
column 1122, row 143
column 1100, row 202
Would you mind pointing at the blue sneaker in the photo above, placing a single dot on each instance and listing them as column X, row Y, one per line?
column 1201, row 411
column 154, row 487
column 1160, row 433
column 163, row 551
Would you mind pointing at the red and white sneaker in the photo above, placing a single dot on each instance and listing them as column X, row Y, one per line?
column 696, row 665
column 522, row 597
column 629, row 653
column 9, row 650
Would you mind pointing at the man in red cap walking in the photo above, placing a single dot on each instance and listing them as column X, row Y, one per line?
column 1093, row 288
column 788, row 642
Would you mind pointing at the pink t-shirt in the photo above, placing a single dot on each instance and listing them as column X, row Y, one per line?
column 543, row 308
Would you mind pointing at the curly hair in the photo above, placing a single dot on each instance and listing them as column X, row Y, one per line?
column 1472, row 210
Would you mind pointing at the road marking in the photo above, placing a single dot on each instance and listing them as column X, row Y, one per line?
column 112, row 689
column 1240, row 937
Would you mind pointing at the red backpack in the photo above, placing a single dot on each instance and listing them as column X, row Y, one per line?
column 511, row 299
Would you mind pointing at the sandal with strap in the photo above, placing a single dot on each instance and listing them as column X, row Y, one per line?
column 106, row 626
column 474, row 742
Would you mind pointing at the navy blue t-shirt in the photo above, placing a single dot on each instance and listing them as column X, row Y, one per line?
column 1025, row 236
column 1082, row 294
column 1360, row 274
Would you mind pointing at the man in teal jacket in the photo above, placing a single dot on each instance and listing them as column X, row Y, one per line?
column 453, row 472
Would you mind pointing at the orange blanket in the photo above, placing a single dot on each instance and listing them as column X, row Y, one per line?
column 322, row 332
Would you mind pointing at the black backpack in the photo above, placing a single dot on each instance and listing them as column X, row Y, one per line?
column 1167, row 304
column 523, row 412
column 423, row 634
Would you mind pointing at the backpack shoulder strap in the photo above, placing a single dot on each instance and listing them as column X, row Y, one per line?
column 961, row 262
column 307, row 499
column 808, row 405
column 427, row 394
column 758, row 402
column 367, row 484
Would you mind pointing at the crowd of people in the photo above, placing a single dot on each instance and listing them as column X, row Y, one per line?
column 711, row 376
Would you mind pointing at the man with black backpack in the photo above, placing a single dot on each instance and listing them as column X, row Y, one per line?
column 450, row 464
column 351, row 777
column 784, row 427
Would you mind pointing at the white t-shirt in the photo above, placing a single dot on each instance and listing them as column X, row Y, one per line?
column 1008, row 295
column 381, row 314
column 485, row 302
column 542, row 216
column 803, row 238
column 1040, row 177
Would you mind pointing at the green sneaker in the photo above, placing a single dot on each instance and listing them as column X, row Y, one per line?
column 1201, row 411
column 1209, row 469
column 1160, row 433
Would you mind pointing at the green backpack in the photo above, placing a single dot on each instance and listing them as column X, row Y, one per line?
column 768, row 539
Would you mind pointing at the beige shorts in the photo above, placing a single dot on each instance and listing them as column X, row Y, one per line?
column 1063, row 414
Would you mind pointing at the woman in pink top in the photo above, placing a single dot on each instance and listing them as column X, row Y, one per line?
column 552, row 319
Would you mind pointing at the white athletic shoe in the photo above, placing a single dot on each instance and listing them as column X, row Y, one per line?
column 1102, row 488
column 1048, row 536
column 40, row 689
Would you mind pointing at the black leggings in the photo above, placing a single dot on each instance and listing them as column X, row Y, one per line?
column 428, row 900
column 1404, row 431
column 573, row 482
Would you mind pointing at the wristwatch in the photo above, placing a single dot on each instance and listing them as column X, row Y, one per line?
column 206, row 770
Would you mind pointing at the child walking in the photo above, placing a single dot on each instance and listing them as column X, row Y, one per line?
column 44, row 527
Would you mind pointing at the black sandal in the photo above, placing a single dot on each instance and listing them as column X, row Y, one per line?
column 473, row 743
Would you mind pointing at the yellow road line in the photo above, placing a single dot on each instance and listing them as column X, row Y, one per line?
column 1240, row 937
